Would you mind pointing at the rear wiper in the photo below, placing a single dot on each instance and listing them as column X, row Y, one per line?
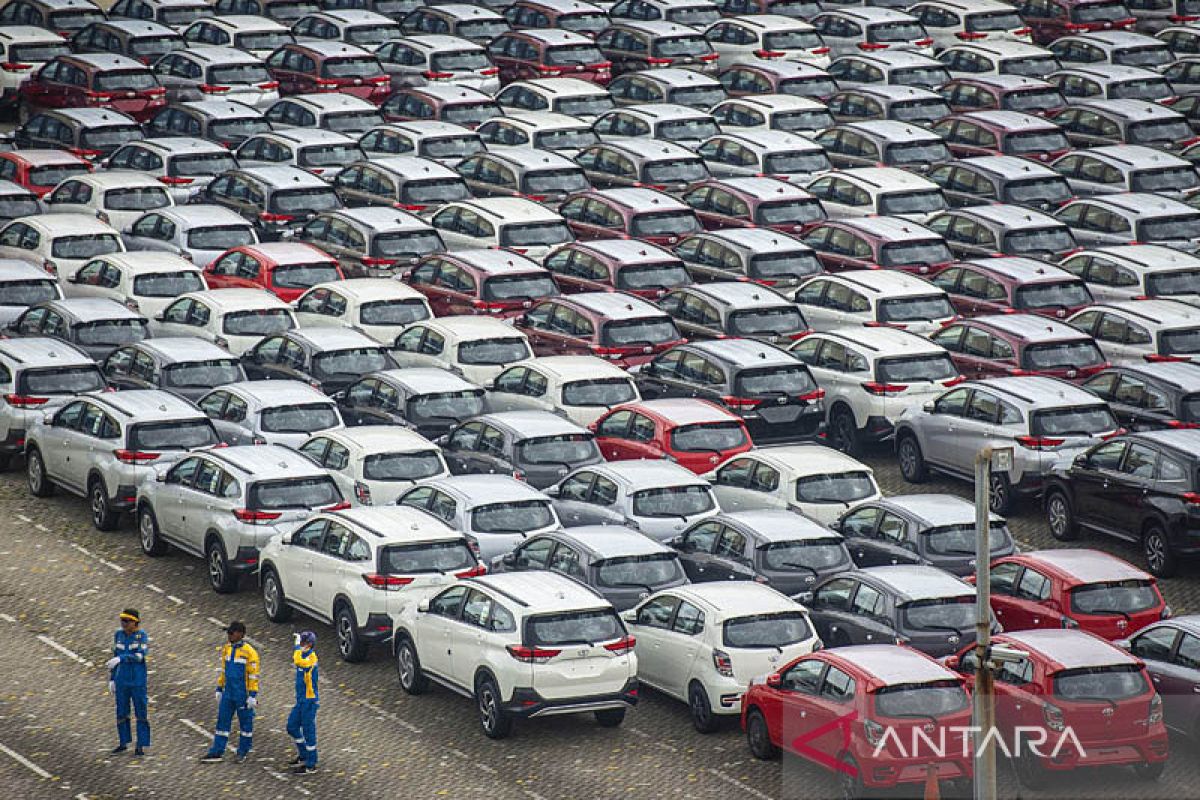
column 636, row 585
column 1108, row 700
column 1111, row 611
column 798, row 565
column 947, row 628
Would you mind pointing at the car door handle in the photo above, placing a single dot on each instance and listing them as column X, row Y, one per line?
column 1196, row 689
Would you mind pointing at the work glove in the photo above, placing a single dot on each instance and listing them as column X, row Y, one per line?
column 112, row 663
column 296, row 639
column 251, row 702
column 112, row 687
column 218, row 694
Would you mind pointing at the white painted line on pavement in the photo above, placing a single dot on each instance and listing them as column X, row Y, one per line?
column 279, row 776
column 42, row 527
column 25, row 762
column 24, row 518
column 71, row 654
column 174, row 599
column 154, row 588
column 196, row 728
column 215, row 621
column 90, row 554
column 7, row 618
column 82, row 796
column 383, row 712
column 750, row 790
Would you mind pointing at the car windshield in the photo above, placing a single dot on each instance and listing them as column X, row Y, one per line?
column 38, row 53
column 1040, row 240
column 797, row 162
column 665, row 223
column 304, row 276
column 1033, row 100
column 167, row 284
column 814, row 120
column 804, row 554
column 959, row 540
column 915, row 309
column 1063, row 355
column 415, row 559
column 587, row 105
column 1181, row 341
column 1078, row 420
column 783, row 381
column 789, row 212
column 792, row 40
column 392, row 312
column 408, row 244
column 797, row 264
column 263, row 40
column 921, row 700
column 151, row 47
column 180, row 434
column 957, row 613
column 566, row 448
column 777, row 321
column 1114, row 597
column 294, row 493
column 202, row 374
column 798, row 9
column 451, row 146
column 981, row 22
column 698, row 97
column 933, row 251
column 470, row 114
column 687, row 129
column 513, row 517
column 681, row 170
column 1064, row 294
column 108, row 136
column 1099, row 12
column 238, row 74
column 1030, row 66
column 565, row 181
column 1167, row 179
column 898, row 31
column 221, row 237
column 351, row 122
column 494, row 351
column 371, row 36
column 680, row 46
column 535, row 234
column 403, row 466
column 445, row 405
column 459, row 61
column 573, row 627
column 919, row 110
column 26, row 293
column 927, row 367
column 300, row 418
column 1161, row 229
column 351, row 67
column 640, row 332
column 653, row 276
column 352, row 361
column 1048, row 191
column 815, row 86
column 922, row 202
column 87, row 246
column 586, row 22
column 928, row 77
column 709, row 437
column 572, row 54
column 1148, row 57
column 238, row 129
column 305, row 201
column 1101, row 684
column 1168, row 284
column 1160, row 130
column 329, row 155
column 673, row 501
column 111, row 332
column 842, row 487
column 644, row 571
column 531, row 286
column 1035, row 142
column 143, row 198
column 434, row 191
column 18, row 205
column 565, row 139
column 481, row 29
column 606, row 392
column 130, row 80
column 258, row 322
column 60, row 380
column 773, row 630
column 1141, row 89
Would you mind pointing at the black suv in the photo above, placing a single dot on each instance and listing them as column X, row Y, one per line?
column 1147, row 397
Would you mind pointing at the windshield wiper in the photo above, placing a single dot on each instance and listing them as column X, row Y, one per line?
column 635, row 584
column 798, row 565
column 1110, row 611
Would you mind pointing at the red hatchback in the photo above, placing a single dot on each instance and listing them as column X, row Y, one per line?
column 1051, row 19
column 877, row 715
column 288, row 269
column 528, row 54
column 498, row 283
column 878, row 243
column 1008, row 92
column 95, row 80
column 1012, row 284
column 329, row 66
column 627, row 265
column 39, row 171
column 754, row 203
column 1020, row 344
column 696, row 434
column 644, row 214
column 1086, row 589
column 615, row 326
column 1002, row 133
column 1088, row 701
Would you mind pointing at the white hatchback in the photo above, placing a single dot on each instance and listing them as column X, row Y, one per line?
column 375, row 464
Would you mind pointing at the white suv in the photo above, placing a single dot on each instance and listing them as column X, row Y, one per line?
column 145, row 281
column 1136, row 331
column 521, row 644
column 1133, row 271
column 352, row 568
column 704, row 643
column 236, row 319
column 375, row 464
column 871, row 297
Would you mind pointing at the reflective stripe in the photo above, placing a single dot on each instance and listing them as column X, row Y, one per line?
column 298, row 740
column 221, row 733
column 239, row 660
column 310, row 747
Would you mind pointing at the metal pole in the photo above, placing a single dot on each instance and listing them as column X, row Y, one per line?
column 984, row 708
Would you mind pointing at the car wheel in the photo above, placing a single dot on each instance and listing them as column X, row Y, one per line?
column 408, row 668
column 843, row 433
column 1060, row 517
column 350, row 645
column 850, row 785
column 274, row 601
column 1157, row 548
column 35, row 475
column 912, row 460
column 495, row 721
column 220, row 576
column 610, row 717
column 103, row 516
column 1150, row 771
column 703, row 718
column 152, row 543
column 758, row 737
column 1000, row 499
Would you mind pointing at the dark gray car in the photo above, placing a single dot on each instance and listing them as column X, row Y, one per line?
column 1171, row 650
column 428, row 400
column 183, row 365
column 95, row 325
column 537, row 446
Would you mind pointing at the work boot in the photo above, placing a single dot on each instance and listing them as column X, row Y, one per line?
column 139, row 751
column 212, row 758
column 303, row 769
column 121, row 748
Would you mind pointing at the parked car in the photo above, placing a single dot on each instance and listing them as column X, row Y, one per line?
column 581, row 388
column 94, row 80
column 142, row 281
column 96, row 325
column 115, row 198
column 1012, row 284
column 734, row 308
column 235, row 319
column 23, row 284
column 691, row 432
column 753, row 202
column 887, row 243
column 40, row 170
column 428, row 400
column 613, row 325
column 1141, row 331
column 628, row 265
column 1127, row 272
column 183, row 365
column 90, row 133
column 277, row 201
column 328, row 359
column 1005, row 179
column 1000, row 229
column 769, row 258
column 375, row 464
column 285, row 269
column 1147, row 397
column 538, row 447
column 1170, row 650
column 378, row 307
column 874, row 298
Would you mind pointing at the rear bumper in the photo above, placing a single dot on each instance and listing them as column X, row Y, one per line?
column 124, row 499
column 878, row 429
column 885, row 773
column 244, row 560
column 528, row 703
column 809, row 425
column 376, row 630
column 14, row 443
column 1148, row 749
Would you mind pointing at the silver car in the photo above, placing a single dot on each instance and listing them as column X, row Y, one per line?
column 225, row 504
column 203, row 72
column 23, row 284
column 185, row 164
column 538, row 447
column 323, row 153
column 198, row 233
column 102, row 444
column 269, row 412
column 420, row 60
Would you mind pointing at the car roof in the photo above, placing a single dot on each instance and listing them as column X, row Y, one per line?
column 39, row 157
column 808, row 459
column 649, row 149
column 884, row 341
column 285, row 177
column 554, row 36
column 1039, row 391
column 181, row 144
column 288, row 252
column 381, row 218
column 221, row 109
column 1136, row 155
column 67, row 224
column 218, row 54
column 886, row 177
column 936, row 510
column 561, row 86
column 615, row 305
column 1005, row 80
column 397, row 524
column 738, row 295
column 748, row 353
column 18, row 269
column 1162, row 312
column 478, row 490
column 678, row 76
column 23, row 34
column 541, row 591
column 466, row 10
column 897, row 59
column 890, row 228
column 426, row 127
column 683, row 410
column 614, row 541
column 226, row 300
column 533, row 424
column 328, row 337
column 970, row 6
column 141, row 262
column 329, row 48
column 913, row 582
column 1032, row 327
column 1003, row 118
column 467, row 328
column 891, row 665
column 94, row 117
column 765, row 188
column 778, row 102
column 1110, row 72
column 1011, row 216
column 629, row 251
column 1081, row 565
column 277, row 392
column 1185, row 440
column 541, row 120
column 1148, row 257
column 758, row 240
column 771, row 139
column 117, row 178
column 147, row 405
column 661, row 111
column 873, row 14
column 729, row 599
column 201, row 215
column 264, row 462
column 894, row 91
column 532, row 158
column 1144, row 204
column 392, row 438
column 94, row 308
column 647, row 474
column 1022, row 269
column 439, row 41
column 246, row 22
column 1183, row 375
column 511, row 209
column 304, row 136
column 1071, row 649
column 42, row 351
column 184, row 348
column 410, row 167
column 884, row 282
column 641, row 199
column 426, row 379
column 495, row 261
column 355, row 15
column 371, row 289
column 1003, row 48
column 135, row 26
column 576, row 368
column 1008, row 166
column 106, row 61
column 449, row 92
column 777, row 525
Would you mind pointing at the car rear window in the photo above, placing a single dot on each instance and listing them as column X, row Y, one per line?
column 1030, row 67
column 673, row 501
column 698, row 128
column 1166, row 284
column 49, row 176
column 351, row 67
column 767, row 321
column 537, row 234
column 1040, row 240
column 922, row 202
column 203, row 374
column 994, row 21
column 114, row 332
column 426, row 557
column 403, row 466
column 843, row 487
column 175, row 435
column 470, row 114
column 907, row 369
column 167, row 284
column 300, row 418
column 715, row 437
column 305, row 201
column 653, row 276
column 451, row 146
column 914, row 253
column 238, row 74
column 132, row 80
column 445, row 406
column 1099, row 12
column 329, row 155
column 959, row 540
column 1063, row 355
column 789, row 212
column 352, row 122
column 814, row 120
column 640, row 332
column 782, row 381
column 1159, row 130
column 682, row 170
column 304, row 276
column 899, row 31
column 1101, row 684
column 1076, row 420
column 921, row 700
column 606, row 392
column 410, row 244
column 1064, row 294
column 1048, row 190
column 222, row 237
column 264, row 40
column 493, row 352
column 1035, row 142
column 371, row 36
column 951, row 614
column 556, row 180
column 435, row 191
column 88, row 246
column 805, row 554
column 645, row 571
column 565, row 449
column 1033, row 100
column 796, row 162
column 774, row 630
column 18, row 205
column 921, row 308
column 60, row 380
column 38, row 53
column 258, row 322
column 797, row 264
column 27, row 293
column 573, row 627
column 1167, row 179
column 1181, row 341
column 515, row 517
column 150, row 48
column 665, row 223
column 459, row 61
column 571, row 55
column 590, row 105
column 235, row 130
column 313, row 492
column 1114, row 597
column 355, row 361
column 392, row 312
column 532, row 286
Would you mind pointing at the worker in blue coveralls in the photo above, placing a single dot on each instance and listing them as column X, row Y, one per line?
column 127, row 680
column 237, row 693
column 302, row 722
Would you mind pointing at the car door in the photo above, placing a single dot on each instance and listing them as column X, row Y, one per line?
column 294, row 562
column 681, row 645
column 1092, row 474
column 96, row 437
column 695, row 548
column 467, row 637
column 56, row 437
column 433, row 630
column 731, row 557
column 168, row 502
column 197, row 502
column 651, row 625
column 586, row 498
column 332, row 566
column 736, row 490
column 940, row 427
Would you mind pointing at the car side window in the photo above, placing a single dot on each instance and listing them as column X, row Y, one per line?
column 310, row 535
column 702, row 538
column 1033, row 586
column 868, row 601
column 448, row 602
column 689, row 620
column 1140, row 461
column 1188, row 654
column 657, row 613
column 732, row 544
column 805, row 676
column 952, row 403
column 476, row 608
column 837, row 686
column 835, row 595
column 1004, row 578
column 1155, row 644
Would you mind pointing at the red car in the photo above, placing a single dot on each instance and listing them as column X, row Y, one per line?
column 1020, row 344
column 1086, row 589
column 696, row 434
column 329, row 66
column 1051, row 19
column 878, row 243
column 1002, row 133
column 615, row 326
column 1012, row 284
column 1091, row 700
column 644, row 214
column 39, row 171
column 95, row 80
column 1008, row 92
column 529, row 54
column 754, row 203
column 500, row 283
column 876, row 715
column 550, row 14
column 288, row 269
column 607, row 265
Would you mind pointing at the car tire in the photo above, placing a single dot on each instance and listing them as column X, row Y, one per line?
column 148, row 536
column 1161, row 562
column 35, row 474
column 1149, row 771
column 104, row 518
column 758, row 737
column 220, row 577
column 1000, row 494
column 912, row 461
column 1060, row 516
column 275, row 603
column 351, row 646
column 850, row 784
column 494, row 720
column 703, row 718
column 610, row 717
column 843, row 431
column 413, row 679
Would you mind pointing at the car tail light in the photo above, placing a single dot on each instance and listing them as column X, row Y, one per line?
column 1022, row 31
column 1054, row 717
column 98, row 97
column 473, row 572
column 742, row 403
column 622, row 645
column 1040, row 442
column 1169, row 101
column 326, row 86
column 968, row 36
column 1156, row 710
column 253, row 516
column 362, row 492
column 269, row 216
column 819, row 394
column 437, row 76
column 659, row 62
column 820, row 51
column 1191, row 498
column 135, row 456
column 1125, row 23
column 342, row 506
column 389, row 583
column 611, row 353
column 156, row 91
column 409, row 207
column 770, row 53
column 379, row 80
column 531, row 655
column 209, row 88
column 926, row 42
column 1173, row 18
column 884, row 389
column 489, row 308
column 872, row 46
column 13, row 66
column 269, row 86
column 376, row 261
column 1156, row 358
column 722, row 663
column 874, row 731
column 601, row 66
column 83, row 152
column 490, row 71
column 551, row 71
column 708, row 58
column 1181, row 425
column 953, row 381
column 173, row 181
column 1075, row 26
column 25, row 400
column 537, row 198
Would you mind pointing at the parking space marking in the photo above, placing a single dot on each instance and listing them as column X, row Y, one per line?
column 279, row 776
column 7, row 618
column 175, row 600
column 25, row 762
column 91, row 555
column 71, row 654
column 196, row 728
column 154, row 588
column 748, row 789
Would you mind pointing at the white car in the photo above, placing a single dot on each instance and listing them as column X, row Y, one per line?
column 998, row 57
column 59, row 243
column 705, row 643
column 763, row 37
column 571, row 96
column 870, row 375
column 1130, row 271
column 819, row 482
column 781, row 112
column 258, row 36
column 116, row 198
column 184, row 164
column 433, row 139
column 477, row 348
column 354, row 568
column 543, row 130
column 22, row 285
column 323, row 153
column 438, row 58
column 25, row 49
column 356, row 26
column 199, row 233
column 269, row 412
column 236, row 319
column 1137, row 331
column 581, row 388
column 520, row 644
column 950, row 22
column 513, row 222
column 379, row 307
column 375, row 464
column 871, row 191
column 145, row 282
column 204, row 72
column 873, row 296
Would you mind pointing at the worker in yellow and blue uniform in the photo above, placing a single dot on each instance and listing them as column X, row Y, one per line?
column 237, row 693
column 302, row 722
column 127, row 680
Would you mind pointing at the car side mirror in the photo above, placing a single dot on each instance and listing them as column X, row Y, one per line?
column 928, row 406
column 489, row 384
column 775, row 680
column 803, row 598
column 286, row 538
column 675, row 542
column 509, row 559
column 1080, row 460
column 629, row 615
column 160, row 317
column 1124, row 644
column 160, row 477
column 423, row 606
column 73, row 278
